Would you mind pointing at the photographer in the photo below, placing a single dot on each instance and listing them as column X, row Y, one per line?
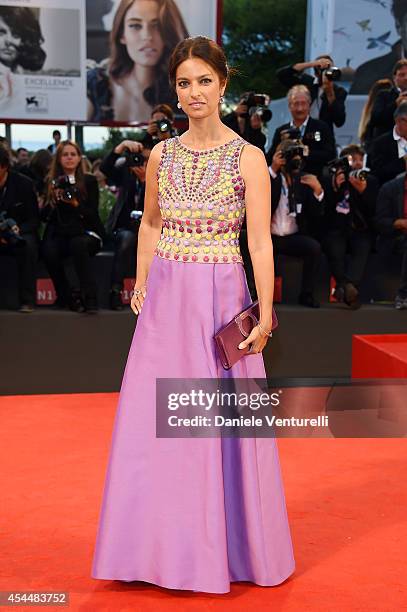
column 125, row 167
column 160, row 126
column 19, row 221
column 296, row 208
column 315, row 134
column 388, row 152
column 391, row 222
column 350, row 196
column 249, row 117
column 73, row 227
column 382, row 117
column 328, row 99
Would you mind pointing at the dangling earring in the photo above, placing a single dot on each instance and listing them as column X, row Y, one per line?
column 221, row 100
column 179, row 104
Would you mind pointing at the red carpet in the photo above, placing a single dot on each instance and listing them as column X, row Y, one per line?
column 346, row 501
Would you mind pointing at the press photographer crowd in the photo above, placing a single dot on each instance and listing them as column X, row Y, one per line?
column 340, row 204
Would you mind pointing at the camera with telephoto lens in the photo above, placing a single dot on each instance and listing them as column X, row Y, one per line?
column 344, row 164
column 257, row 105
column 67, row 184
column 293, row 150
column 332, row 73
column 9, row 232
column 130, row 159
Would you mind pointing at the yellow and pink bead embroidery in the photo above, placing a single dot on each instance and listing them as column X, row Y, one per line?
column 202, row 203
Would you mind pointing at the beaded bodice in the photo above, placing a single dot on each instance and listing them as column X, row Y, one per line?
column 201, row 198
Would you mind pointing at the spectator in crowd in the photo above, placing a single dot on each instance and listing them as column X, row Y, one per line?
column 350, row 205
column 296, row 208
column 107, row 195
column 391, row 221
column 23, row 159
column 387, row 100
column 134, row 79
column 124, row 220
column 388, row 151
column 160, row 126
column 313, row 132
column 381, row 67
column 73, row 227
column 39, row 168
column 327, row 98
column 366, row 131
column 19, row 221
column 249, row 127
column 56, row 135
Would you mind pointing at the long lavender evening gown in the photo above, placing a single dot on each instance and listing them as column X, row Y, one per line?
column 196, row 513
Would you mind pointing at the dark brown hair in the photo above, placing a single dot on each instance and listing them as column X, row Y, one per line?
column 56, row 169
column 165, row 109
column 205, row 49
column 172, row 30
column 352, row 149
column 367, row 109
column 399, row 65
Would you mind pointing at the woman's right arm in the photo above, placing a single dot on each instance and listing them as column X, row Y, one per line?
column 150, row 228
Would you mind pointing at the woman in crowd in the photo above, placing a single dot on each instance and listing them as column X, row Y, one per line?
column 73, row 226
column 365, row 132
column 135, row 77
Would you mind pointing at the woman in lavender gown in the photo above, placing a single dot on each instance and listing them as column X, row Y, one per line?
column 195, row 513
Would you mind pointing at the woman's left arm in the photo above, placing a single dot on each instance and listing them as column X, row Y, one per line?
column 256, row 176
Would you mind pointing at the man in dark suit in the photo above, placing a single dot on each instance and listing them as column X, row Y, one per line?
column 391, row 221
column 296, row 209
column 314, row 133
column 381, row 67
column 19, row 203
column 387, row 100
column 328, row 99
column 387, row 154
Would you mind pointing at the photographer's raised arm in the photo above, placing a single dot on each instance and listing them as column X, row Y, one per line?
column 151, row 221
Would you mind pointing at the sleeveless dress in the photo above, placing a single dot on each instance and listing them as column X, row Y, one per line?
column 184, row 513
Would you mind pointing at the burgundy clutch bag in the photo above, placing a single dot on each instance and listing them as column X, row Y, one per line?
column 229, row 337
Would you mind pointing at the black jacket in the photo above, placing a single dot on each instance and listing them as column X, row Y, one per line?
column 362, row 207
column 320, row 141
column 66, row 220
column 312, row 210
column 384, row 158
column 381, row 120
column 390, row 206
column 332, row 114
column 255, row 137
column 19, row 201
column 131, row 195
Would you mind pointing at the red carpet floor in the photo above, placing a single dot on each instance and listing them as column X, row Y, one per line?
column 346, row 499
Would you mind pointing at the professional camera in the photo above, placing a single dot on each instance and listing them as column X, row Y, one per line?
column 333, row 73
column 9, row 232
column 294, row 153
column 130, row 159
column 68, row 186
column 163, row 125
column 344, row 164
column 257, row 105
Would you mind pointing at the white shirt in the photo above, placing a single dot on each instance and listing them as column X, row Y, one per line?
column 284, row 223
column 401, row 143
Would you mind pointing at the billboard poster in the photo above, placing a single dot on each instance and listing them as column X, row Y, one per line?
column 364, row 37
column 128, row 47
column 42, row 60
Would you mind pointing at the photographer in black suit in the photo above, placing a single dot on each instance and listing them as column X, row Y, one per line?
column 328, row 98
column 315, row 134
column 386, row 157
column 125, row 167
column 296, row 209
column 350, row 205
column 248, row 119
column 382, row 117
column 391, row 221
column 19, row 221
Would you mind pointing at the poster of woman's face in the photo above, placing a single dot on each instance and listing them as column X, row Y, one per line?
column 128, row 68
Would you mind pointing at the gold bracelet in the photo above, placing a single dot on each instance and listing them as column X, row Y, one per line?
column 269, row 334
